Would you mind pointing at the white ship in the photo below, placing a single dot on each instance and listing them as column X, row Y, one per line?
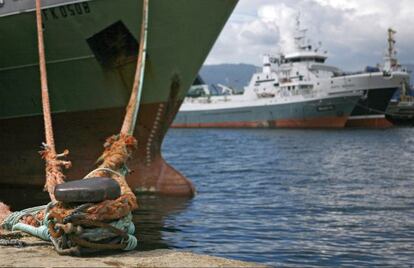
column 299, row 89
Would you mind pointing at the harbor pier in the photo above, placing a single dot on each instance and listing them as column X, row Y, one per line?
column 31, row 252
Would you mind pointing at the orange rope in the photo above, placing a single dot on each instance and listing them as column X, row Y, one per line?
column 4, row 212
column 43, row 79
column 119, row 150
column 132, row 109
column 54, row 175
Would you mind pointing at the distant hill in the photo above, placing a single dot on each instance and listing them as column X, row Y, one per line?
column 236, row 76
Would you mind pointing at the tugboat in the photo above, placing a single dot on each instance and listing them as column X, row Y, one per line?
column 401, row 110
column 91, row 49
column 384, row 83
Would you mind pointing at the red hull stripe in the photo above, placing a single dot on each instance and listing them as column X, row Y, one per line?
column 369, row 123
column 328, row 122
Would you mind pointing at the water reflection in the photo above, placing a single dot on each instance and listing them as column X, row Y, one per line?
column 150, row 219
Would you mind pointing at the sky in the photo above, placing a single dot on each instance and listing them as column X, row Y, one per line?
column 354, row 32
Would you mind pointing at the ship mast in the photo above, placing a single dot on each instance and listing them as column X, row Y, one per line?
column 391, row 61
column 300, row 37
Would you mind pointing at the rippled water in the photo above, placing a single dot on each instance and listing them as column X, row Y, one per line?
column 290, row 197
column 286, row 197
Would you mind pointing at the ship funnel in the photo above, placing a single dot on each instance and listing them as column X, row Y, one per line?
column 267, row 64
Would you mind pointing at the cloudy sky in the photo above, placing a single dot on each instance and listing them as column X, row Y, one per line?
column 352, row 31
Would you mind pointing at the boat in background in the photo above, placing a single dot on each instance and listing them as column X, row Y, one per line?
column 301, row 91
column 385, row 81
column 400, row 111
column 91, row 49
column 289, row 97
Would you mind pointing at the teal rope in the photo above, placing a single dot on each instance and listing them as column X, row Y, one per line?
column 132, row 243
column 41, row 232
column 15, row 217
column 125, row 224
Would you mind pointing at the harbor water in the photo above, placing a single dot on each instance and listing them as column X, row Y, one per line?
column 290, row 197
column 300, row 198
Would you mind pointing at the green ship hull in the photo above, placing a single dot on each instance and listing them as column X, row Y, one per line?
column 91, row 56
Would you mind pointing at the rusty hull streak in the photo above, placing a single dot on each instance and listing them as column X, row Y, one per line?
column 84, row 133
column 159, row 176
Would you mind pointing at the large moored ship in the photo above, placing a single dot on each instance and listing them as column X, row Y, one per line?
column 288, row 97
column 91, row 49
column 268, row 102
column 300, row 91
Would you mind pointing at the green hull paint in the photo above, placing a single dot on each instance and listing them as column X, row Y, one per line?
column 78, row 82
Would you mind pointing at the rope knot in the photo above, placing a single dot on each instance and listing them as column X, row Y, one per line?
column 118, row 150
column 54, row 166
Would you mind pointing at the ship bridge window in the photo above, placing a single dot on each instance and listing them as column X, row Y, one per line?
column 316, row 59
column 295, row 60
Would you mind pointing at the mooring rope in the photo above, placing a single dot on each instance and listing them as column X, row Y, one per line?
column 101, row 226
column 54, row 174
column 130, row 120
